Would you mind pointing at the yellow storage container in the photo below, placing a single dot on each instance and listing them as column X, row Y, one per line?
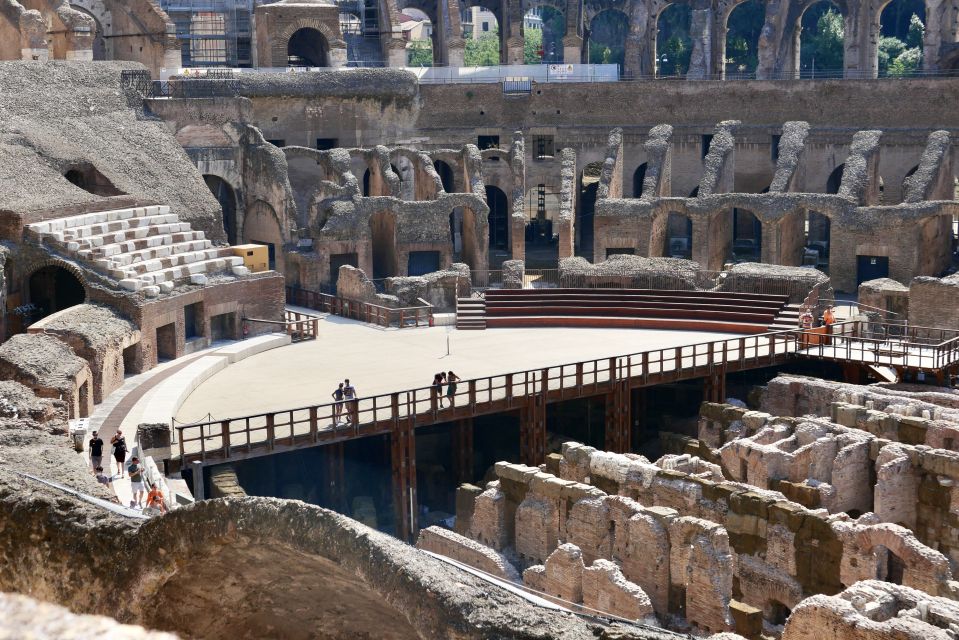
column 256, row 257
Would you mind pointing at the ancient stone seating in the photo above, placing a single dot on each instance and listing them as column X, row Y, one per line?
column 141, row 247
column 653, row 309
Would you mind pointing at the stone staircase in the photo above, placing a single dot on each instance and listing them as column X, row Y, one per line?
column 144, row 248
column 787, row 318
column 470, row 313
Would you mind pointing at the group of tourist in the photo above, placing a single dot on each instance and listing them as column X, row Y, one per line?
column 449, row 379
column 118, row 444
column 345, row 396
column 807, row 320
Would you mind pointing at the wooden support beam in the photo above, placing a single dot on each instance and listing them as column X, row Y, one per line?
column 618, row 418
column 463, row 450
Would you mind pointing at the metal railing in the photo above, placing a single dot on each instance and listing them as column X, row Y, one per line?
column 364, row 311
column 491, row 394
column 508, row 391
column 914, row 348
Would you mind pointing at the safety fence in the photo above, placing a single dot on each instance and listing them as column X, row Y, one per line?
column 369, row 312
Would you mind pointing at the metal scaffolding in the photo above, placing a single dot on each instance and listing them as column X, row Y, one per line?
column 213, row 33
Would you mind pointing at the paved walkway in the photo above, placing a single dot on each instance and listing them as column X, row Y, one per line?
column 383, row 361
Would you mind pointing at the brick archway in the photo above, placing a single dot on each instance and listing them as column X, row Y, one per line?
column 281, row 43
column 52, row 290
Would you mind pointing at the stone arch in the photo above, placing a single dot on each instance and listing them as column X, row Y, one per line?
column 605, row 37
column 99, row 43
column 552, row 34
column 912, row 563
column 741, row 39
column 884, row 25
column 672, row 52
column 84, row 175
column 804, row 57
column 431, row 12
column 53, row 285
column 281, row 42
column 445, row 172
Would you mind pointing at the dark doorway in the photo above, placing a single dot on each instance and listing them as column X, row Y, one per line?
column 53, row 289
column 325, row 144
column 586, row 213
column 446, row 175
column 622, row 251
column 306, row 48
column 225, row 195
column 423, row 262
column 498, row 218
column 747, row 236
column 834, row 181
column 85, row 176
column 337, row 260
column 166, row 342
column 871, row 268
column 679, row 236
column 638, row 177
column 270, row 250
column 383, row 227
column 193, row 320
column 223, row 327
column 487, row 142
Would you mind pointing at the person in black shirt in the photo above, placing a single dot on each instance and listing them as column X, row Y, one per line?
column 96, row 451
column 119, row 450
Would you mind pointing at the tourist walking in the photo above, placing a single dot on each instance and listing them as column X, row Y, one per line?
column 102, row 477
column 136, row 482
column 119, row 443
column 352, row 404
column 337, row 404
column 96, row 452
column 451, row 380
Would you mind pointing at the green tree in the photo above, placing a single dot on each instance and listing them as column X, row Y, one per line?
column 889, row 49
column 674, row 60
column 821, row 47
column 906, row 62
column 916, row 31
column 482, row 51
column 742, row 41
column 532, row 44
column 420, row 53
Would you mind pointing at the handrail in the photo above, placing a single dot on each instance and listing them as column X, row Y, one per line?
column 361, row 310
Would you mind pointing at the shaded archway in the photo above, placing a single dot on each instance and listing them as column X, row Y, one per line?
column 485, row 41
column 679, row 236
column 605, row 40
column 834, row 181
column 544, row 28
column 99, row 39
column 588, row 190
column 225, row 195
column 638, row 177
column 445, row 172
column 498, row 218
column 383, row 239
column 747, row 236
column 542, row 226
column 820, row 38
column 901, row 28
column 673, row 44
column 421, row 50
column 307, row 47
column 54, row 288
column 743, row 27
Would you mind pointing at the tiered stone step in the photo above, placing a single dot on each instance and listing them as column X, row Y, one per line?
column 141, row 247
column 787, row 318
column 471, row 313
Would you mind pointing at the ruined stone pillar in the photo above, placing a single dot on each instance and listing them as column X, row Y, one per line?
column 700, row 32
column 933, row 36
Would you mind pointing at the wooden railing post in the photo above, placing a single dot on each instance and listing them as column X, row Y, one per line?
column 471, row 387
column 270, row 433
column 579, row 375
column 509, row 389
column 314, row 423
column 225, row 437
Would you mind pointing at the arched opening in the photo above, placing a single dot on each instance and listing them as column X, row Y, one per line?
column 53, row 289
column 673, row 44
column 498, row 219
column 542, row 230
column 99, row 41
column 225, row 195
column 418, row 31
column 747, row 236
column 778, row 613
column 743, row 27
column 484, row 46
column 307, row 48
column 901, row 29
column 638, row 177
column 589, row 188
column 818, row 228
column 605, row 39
column 445, row 172
column 834, row 181
column 366, row 184
column 383, row 237
column 679, row 236
column 543, row 31
column 695, row 192
column 85, row 176
column 821, row 46
column 889, row 566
